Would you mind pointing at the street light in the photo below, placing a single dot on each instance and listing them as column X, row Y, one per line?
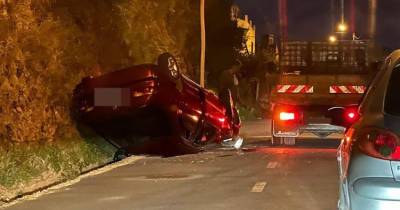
column 332, row 39
column 342, row 28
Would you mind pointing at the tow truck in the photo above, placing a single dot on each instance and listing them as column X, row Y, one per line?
column 315, row 78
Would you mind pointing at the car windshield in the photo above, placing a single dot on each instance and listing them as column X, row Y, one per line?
column 392, row 103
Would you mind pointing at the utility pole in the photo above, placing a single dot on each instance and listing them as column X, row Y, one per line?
column 283, row 21
column 342, row 11
column 333, row 16
column 283, row 25
column 203, row 43
column 372, row 19
column 353, row 17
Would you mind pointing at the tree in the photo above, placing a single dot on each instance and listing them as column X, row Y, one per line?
column 223, row 39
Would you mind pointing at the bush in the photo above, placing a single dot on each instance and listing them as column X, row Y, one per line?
column 47, row 47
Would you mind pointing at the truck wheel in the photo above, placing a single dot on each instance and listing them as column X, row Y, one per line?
column 276, row 141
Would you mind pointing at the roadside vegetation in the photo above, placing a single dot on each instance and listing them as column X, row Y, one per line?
column 30, row 166
column 46, row 48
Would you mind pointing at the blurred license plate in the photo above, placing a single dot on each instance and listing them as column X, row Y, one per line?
column 319, row 120
column 111, row 97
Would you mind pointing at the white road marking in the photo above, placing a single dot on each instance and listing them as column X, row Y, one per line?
column 258, row 187
column 272, row 165
column 112, row 198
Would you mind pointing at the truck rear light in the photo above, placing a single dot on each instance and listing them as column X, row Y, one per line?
column 379, row 143
column 351, row 115
column 286, row 116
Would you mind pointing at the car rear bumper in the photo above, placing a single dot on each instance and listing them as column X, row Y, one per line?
column 101, row 104
column 375, row 193
column 371, row 184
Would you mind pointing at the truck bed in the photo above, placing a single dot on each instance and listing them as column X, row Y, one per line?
column 319, row 89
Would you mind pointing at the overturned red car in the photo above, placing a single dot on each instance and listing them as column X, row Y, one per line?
column 160, row 102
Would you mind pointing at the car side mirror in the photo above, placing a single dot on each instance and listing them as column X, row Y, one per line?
column 344, row 116
column 168, row 65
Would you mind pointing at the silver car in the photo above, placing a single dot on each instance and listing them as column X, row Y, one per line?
column 369, row 155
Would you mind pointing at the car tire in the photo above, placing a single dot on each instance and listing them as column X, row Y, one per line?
column 169, row 66
column 189, row 141
column 189, row 146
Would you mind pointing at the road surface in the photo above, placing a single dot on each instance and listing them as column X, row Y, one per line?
column 258, row 177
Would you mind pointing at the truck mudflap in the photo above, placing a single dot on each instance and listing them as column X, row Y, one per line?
column 286, row 121
column 285, row 131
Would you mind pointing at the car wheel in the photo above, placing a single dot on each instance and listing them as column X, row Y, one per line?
column 169, row 66
column 189, row 145
column 190, row 138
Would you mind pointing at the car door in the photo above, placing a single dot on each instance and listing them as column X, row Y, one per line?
column 392, row 112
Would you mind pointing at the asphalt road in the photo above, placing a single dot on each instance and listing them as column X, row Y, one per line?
column 258, row 177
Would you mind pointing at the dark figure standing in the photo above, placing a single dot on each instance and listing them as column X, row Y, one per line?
column 229, row 81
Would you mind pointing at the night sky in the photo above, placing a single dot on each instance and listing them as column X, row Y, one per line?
column 310, row 19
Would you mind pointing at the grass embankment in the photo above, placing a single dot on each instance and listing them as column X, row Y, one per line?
column 28, row 167
column 249, row 114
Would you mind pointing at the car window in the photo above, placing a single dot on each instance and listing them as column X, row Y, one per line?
column 374, row 83
column 392, row 101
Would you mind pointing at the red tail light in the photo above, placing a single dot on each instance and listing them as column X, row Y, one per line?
column 351, row 115
column 286, row 116
column 380, row 143
column 289, row 114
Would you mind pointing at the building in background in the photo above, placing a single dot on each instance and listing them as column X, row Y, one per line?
column 249, row 43
column 268, row 50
